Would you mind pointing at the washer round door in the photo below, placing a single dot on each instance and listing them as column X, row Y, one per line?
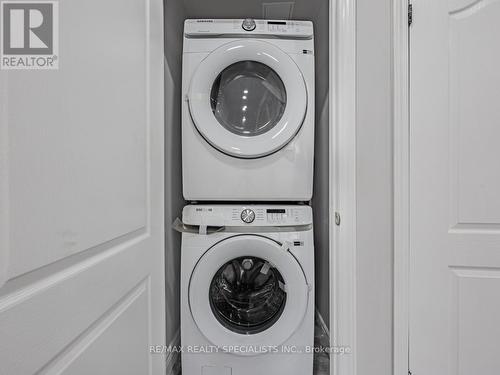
column 248, row 98
column 248, row 291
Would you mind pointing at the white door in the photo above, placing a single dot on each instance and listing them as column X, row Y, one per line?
column 248, row 98
column 248, row 290
column 81, row 198
column 455, row 187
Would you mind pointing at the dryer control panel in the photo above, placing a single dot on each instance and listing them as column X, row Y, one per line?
column 248, row 215
column 286, row 29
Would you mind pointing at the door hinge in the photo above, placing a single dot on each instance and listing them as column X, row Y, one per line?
column 410, row 14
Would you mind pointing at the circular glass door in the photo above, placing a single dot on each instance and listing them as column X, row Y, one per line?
column 247, row 295
column 248, row 290
column 247, row 99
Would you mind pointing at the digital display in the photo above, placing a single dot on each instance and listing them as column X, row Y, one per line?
column 276, row 22
column 276, row 211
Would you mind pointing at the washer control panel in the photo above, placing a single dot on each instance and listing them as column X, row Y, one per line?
column 286, row 216
column 251, row 215
column 280, row 26
column 276, row 215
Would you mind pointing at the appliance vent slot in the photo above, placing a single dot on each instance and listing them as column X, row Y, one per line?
column 278, row 11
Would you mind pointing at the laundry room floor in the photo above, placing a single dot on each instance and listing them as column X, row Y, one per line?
column 321, row 360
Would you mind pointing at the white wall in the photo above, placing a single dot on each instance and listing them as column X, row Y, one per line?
column 374, row 188
column 174, row 21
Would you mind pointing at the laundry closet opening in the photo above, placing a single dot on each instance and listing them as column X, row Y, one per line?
column 269, row 120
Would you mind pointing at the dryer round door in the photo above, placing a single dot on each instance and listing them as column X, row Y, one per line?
column 248, row 291
column 248, row 98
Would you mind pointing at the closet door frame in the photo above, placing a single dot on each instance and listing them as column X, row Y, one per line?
column 401, row 70
column 343, row 184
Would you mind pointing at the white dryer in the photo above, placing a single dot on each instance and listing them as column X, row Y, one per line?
column 248, row 110
column 247, row 290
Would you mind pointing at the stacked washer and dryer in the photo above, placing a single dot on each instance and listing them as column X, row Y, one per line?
column 247, row 262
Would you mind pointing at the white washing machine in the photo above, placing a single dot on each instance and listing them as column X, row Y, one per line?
column 247, row 290
column 248, row 110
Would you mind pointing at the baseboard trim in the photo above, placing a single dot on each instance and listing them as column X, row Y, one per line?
column 174, row 355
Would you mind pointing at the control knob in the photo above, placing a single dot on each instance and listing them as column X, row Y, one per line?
column 248, row 216
column 248, row 24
